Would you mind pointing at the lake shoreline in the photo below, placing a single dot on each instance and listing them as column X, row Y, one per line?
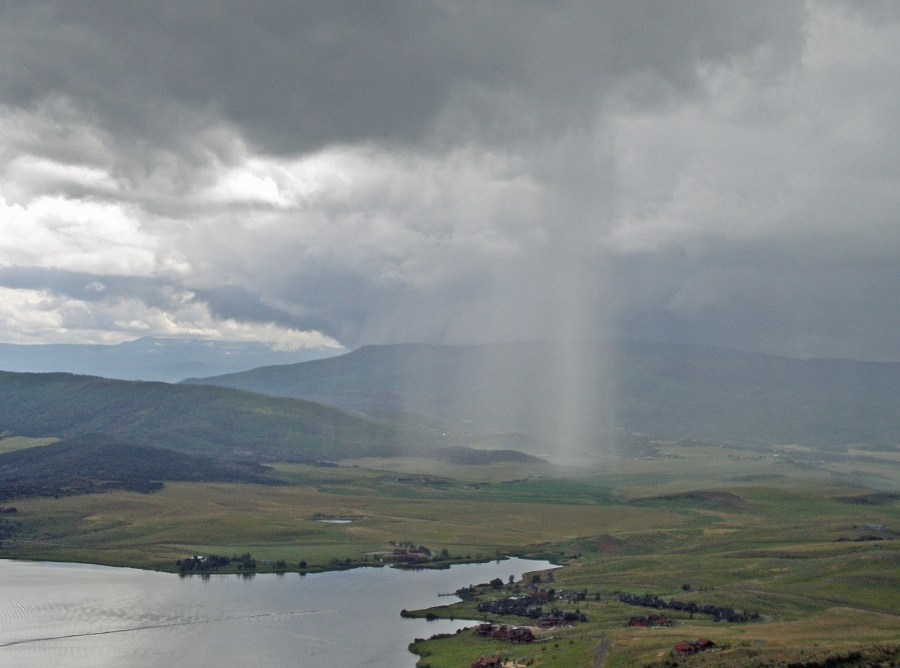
column 311, row 570
column 79, row 614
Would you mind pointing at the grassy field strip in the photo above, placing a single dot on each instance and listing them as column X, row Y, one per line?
column 891, row 456
column 268, row 520
column 12, row 443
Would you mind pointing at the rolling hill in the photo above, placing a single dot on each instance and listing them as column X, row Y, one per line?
column 98, row 462
column 120, row 433
column 202, row 421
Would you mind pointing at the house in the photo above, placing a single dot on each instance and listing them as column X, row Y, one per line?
column 488, row 662
column 504, row 632
column 484, row 629
column 520, row 634
column 685, row 648
column 699, row 645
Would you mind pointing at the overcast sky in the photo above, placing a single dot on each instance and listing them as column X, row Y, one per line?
column 370, row 172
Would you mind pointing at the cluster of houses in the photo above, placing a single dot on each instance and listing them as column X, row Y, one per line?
column 718, row 613
column 531, row 606
column 421, row 480
column 648, row 621
column 570, row 595
column 699, row 645
column 411, row 555
column 504, row 632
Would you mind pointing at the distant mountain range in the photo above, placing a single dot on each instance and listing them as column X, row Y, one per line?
column 665, row 390
column 168, row 360
column 434, row 401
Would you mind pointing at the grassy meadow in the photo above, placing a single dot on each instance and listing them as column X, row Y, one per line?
column 809, row 542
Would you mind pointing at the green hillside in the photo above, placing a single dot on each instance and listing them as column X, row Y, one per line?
column 207, row 421
column 95, row 463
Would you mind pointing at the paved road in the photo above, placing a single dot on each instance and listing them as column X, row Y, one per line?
column 602, row 652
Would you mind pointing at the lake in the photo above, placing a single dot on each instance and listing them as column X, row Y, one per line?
column 76, row 615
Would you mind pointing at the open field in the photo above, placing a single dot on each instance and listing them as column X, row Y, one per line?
column 815, row 551
column 153, row 530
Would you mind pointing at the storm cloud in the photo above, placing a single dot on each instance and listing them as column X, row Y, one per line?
column 452, row 172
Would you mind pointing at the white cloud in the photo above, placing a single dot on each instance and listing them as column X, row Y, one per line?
column 39, row 316
column 29, row 316
column 77, row 234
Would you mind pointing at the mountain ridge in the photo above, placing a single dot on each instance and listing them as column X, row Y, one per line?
column 667, row 390
column 151, row 358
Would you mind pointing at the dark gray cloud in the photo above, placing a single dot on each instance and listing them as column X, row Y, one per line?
column 453, row 171
column 86, row 286
column 300, row 76
column 238, row 303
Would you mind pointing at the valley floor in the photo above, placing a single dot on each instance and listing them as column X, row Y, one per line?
column 811, row 544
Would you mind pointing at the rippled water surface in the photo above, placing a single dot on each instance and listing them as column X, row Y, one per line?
column 78, row 615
